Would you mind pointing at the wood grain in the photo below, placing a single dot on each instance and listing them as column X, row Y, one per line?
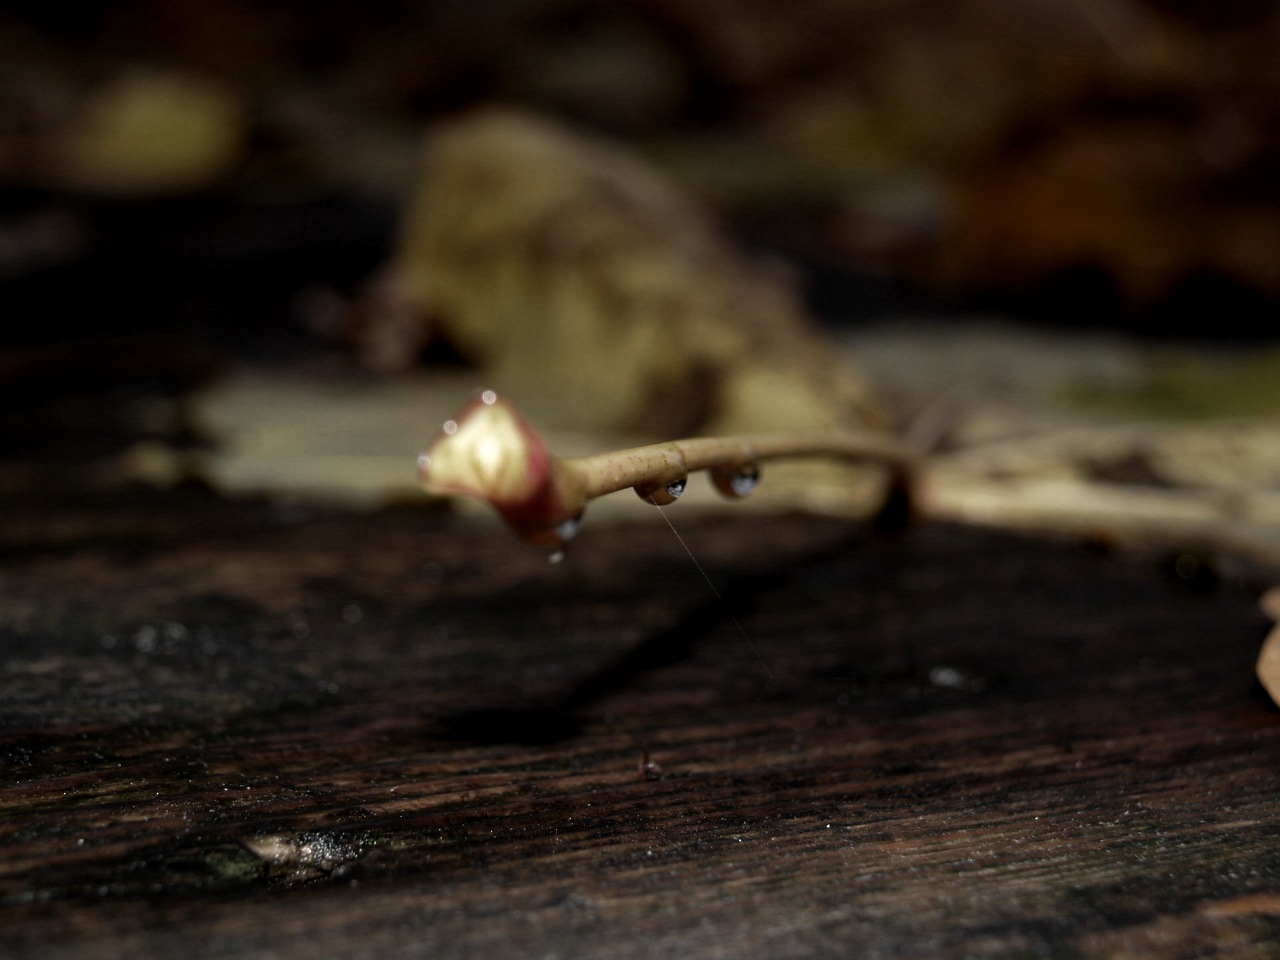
column 250, row 730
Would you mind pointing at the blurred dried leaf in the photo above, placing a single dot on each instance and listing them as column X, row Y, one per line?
column 588, row 288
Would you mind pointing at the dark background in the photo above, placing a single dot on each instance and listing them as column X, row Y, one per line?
column 1095, row 163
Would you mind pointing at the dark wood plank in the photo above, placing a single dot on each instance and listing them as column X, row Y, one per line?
column 250, row 730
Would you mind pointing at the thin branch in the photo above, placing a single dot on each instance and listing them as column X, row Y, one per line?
column 489, row 452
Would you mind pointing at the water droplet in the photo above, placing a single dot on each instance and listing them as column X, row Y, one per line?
column 662, row 495
column 739, row 482
column 947, row 677
column 488, row 397
column 145, row 639
column 450, row 427
column 566, row 530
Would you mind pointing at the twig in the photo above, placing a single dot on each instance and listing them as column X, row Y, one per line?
column 489, row 452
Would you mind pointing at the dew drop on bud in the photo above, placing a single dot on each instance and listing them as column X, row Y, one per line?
column 739, row 482
column 488, row 397
column 566, row 530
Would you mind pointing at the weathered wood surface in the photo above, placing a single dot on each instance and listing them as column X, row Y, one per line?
column 254, row 730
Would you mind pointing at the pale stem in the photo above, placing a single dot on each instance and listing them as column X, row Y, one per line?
column 661, row 463
column 490, row 452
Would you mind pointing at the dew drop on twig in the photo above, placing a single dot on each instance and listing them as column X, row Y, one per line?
column 662, row 494
column 739, row 482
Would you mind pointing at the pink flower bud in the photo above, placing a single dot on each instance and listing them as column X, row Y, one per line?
column 489, row 452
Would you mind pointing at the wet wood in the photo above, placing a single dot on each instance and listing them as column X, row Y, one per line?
column 259, row 730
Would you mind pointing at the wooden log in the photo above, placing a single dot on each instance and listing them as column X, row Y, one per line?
column 245, row 730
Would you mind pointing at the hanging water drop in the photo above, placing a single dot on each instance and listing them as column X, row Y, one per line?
column 662, row 494
column 738, row 482
column 566, row 530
